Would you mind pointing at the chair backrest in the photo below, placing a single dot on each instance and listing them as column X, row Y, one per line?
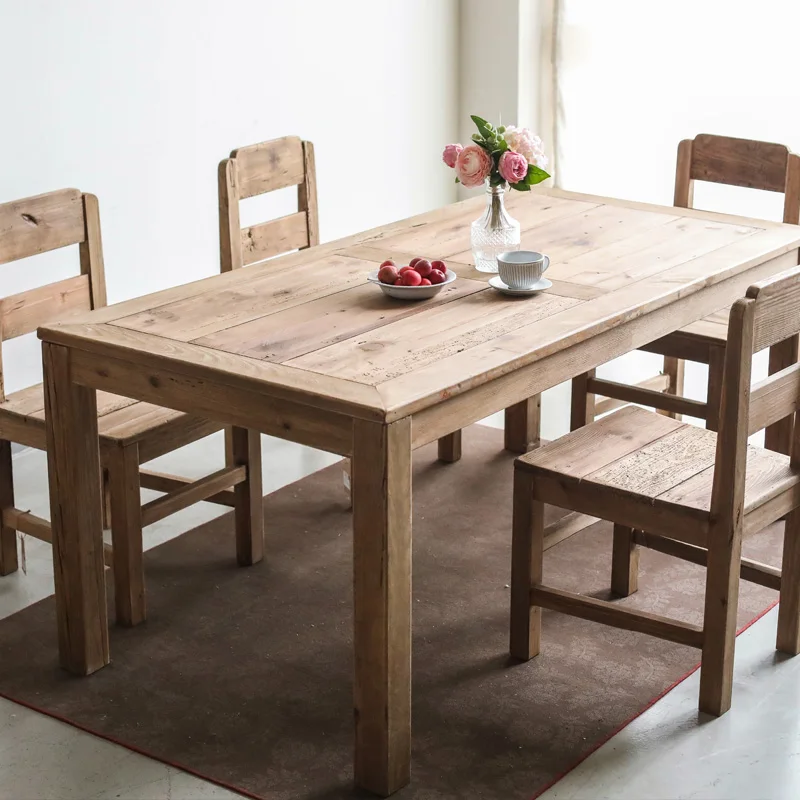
column 40, row 224
column 767, row 315
column 738, row 162
column 255, row 170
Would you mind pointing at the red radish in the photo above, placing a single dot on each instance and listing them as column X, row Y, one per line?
column 423, row 266
column 425, row 282
column 440, row 265
column 410, row 278
column 437, row 276
column 388, row 263
column 413, row 262
column 387, row 274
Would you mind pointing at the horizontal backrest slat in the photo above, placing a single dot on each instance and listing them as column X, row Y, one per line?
column 739, row 162
column 24, row 312
column 39, row 224
column 774, row 398
column 270, row 165
column 274, row 237
column 777, row 314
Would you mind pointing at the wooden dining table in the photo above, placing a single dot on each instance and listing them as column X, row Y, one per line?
column 303, row 348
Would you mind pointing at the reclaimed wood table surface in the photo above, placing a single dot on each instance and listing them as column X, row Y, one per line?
column 302, row 348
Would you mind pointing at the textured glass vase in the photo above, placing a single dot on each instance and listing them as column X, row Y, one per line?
column 495, row 232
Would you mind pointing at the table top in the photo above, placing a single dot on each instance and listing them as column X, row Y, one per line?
column 308, row 327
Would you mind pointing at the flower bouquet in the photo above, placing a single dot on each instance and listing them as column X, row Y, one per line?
column 499, row 157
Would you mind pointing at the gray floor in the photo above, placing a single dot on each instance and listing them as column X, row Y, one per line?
column 751, row 753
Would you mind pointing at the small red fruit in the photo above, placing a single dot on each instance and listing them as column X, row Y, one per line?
column 387, row 274
column 437, row 276
column 425, row 282
column 403, row 270
column 440, row 265
column 413, row 262
column 410, row 278
column 388, row 263
column 423, row 266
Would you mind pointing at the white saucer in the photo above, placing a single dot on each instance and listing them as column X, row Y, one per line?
column 537, row 287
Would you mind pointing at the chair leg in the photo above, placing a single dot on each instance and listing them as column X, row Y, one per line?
column 126, row 534
column 778, row 436
column 228, row 446
column 450, row 447
column 527, row 555
column 523, row 425
column 624, row 562
column 8, row 536
column 249, row 509
column 716, row 368
column 788, row 640
column 106, row 501
column 582, row 406
column 719, row 621
column 674, row 370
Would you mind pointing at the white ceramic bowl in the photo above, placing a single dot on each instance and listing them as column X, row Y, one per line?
column 521, row 269
column 412, row 292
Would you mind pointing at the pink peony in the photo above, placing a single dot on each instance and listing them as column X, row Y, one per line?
column 450, row 154
column 512, row 166
column 473, row 165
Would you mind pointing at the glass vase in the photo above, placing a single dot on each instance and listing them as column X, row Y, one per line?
column 495, row 232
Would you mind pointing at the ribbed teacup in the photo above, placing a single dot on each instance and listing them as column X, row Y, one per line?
column 521, row 269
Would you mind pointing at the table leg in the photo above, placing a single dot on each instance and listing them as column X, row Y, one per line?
column 245, row 450
column 450, row 447
column 382, row 604
column 73, row 459
column 523, row 424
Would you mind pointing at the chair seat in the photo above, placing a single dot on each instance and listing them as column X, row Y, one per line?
column 712, row 329
column 650, row 461
column 121, row 421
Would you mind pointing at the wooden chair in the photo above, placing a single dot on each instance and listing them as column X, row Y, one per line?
column 131, row 432
column 255, row 170
column 693, row 491
column 735, row 162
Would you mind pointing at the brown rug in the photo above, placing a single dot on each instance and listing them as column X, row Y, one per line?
column 243, row 676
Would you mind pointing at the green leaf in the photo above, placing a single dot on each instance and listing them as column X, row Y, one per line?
column 486, row 130
column 535, row 175
column 500, row 147
column 457, row 180
column 521, row 186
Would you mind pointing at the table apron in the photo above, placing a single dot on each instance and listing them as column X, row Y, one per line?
column 295, row 422
column 475, row 404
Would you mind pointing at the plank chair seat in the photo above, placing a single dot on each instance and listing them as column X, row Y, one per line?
column 686, row 491
column 717, row 159
column 120, row 420
column 130, row 432
column 644, row 464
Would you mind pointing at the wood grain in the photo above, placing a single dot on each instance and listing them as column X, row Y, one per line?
column 74, row 470
column 38, row 224
column 382, row 604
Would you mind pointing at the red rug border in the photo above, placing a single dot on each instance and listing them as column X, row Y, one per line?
column 244, row 793
column 133, row 748
column 598, row 744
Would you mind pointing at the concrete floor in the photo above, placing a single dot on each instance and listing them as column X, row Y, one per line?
column 752, row 753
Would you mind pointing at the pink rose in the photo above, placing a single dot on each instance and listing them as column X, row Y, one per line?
column 512, row 166
column 473, row 165
column 450, row 154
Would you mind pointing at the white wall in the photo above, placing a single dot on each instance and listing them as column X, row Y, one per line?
column 138, row 100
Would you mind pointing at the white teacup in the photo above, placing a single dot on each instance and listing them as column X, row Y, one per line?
column 521, row 269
